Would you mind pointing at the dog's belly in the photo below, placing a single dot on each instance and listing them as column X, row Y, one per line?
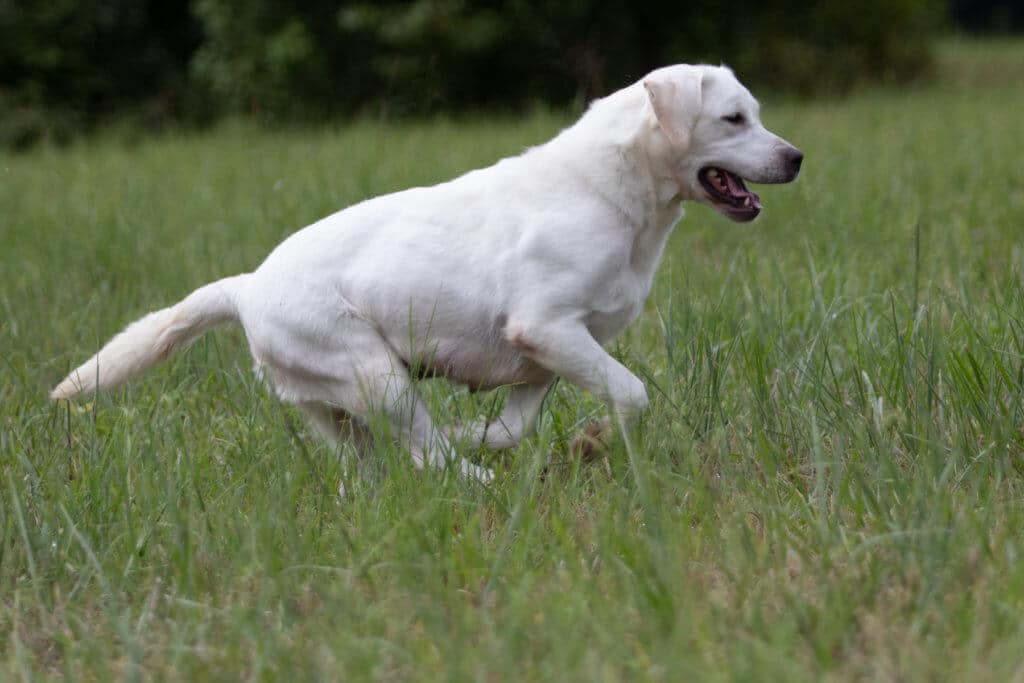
column 474, row 363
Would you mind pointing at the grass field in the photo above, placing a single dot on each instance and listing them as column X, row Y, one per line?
column 829, row 483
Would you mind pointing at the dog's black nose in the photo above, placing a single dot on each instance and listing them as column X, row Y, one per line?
column 795, row 158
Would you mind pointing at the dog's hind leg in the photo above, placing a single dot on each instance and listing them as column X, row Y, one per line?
column 390, row 390
column 352, row 369
column 340, row 429
column 337, row 426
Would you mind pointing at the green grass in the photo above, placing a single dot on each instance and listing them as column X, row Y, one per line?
column 829, row 484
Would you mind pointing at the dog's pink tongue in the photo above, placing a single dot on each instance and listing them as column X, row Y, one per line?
column 741, row 193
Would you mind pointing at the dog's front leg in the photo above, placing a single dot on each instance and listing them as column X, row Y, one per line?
column 567, row 348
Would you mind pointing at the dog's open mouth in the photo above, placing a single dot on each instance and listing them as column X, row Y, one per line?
column 729, row 195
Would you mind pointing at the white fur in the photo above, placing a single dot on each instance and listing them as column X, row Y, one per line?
column 508, row 275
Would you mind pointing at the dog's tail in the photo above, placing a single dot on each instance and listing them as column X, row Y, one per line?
column 153, row 338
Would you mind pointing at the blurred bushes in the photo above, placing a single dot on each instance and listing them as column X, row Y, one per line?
column 989, row 16
column 65, row 64
column 427, row 55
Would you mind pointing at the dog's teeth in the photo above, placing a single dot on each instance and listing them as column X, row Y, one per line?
column 712, row 174
column 746, row 202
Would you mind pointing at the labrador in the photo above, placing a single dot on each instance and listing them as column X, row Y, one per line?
column 511, row 275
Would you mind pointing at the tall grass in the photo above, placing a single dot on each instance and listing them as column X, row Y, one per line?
column 828, row 484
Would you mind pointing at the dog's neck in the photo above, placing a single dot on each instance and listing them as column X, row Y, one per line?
column 630, row 145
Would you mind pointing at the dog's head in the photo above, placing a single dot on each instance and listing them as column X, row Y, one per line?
column 715, row 138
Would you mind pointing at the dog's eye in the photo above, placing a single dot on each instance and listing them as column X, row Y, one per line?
column 735, row 119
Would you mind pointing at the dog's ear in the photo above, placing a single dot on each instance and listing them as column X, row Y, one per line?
column 675, row 96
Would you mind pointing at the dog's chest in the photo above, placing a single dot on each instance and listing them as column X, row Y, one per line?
column 616, row 304
column 620, row 296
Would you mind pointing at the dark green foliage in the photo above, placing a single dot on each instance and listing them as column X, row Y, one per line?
column 429, row 55
column 994, row 16
column 66, row 64
column 831, row 46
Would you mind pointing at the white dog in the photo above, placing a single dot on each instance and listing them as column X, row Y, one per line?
column 509, row 275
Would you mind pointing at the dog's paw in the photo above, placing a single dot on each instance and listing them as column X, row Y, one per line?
column 481, row 474
column 592, row 443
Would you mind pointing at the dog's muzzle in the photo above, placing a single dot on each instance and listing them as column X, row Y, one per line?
column 729, row 194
